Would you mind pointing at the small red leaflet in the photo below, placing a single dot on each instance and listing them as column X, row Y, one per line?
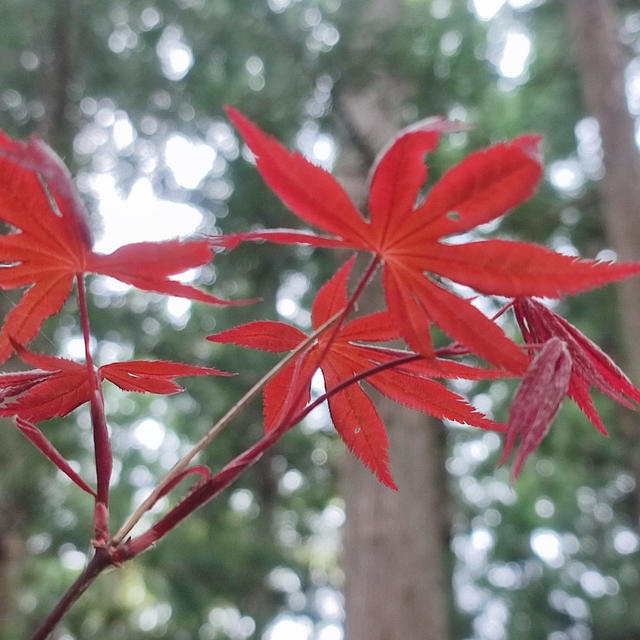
column 352, row 412
column 65, row 387
column 408, row 237
column 57, row 386
column 51, row 244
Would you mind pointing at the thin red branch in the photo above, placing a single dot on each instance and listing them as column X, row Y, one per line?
column 95, row 567
column 303, row 413
column 183, row 463
column 211, row 487
column 364, row 280
column 102, row 445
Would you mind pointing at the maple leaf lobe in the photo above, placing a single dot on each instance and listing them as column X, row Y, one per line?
column 353, row 415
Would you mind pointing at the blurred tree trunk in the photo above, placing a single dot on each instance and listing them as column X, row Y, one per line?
column 396, row 544
column 397, row 585
column 601, row 65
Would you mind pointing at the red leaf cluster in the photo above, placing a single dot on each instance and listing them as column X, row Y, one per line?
column 568, row 363
column 57, row 386
column 411, row 236
column 591, row 367
column 415, row 238
column 344, row 356
column 51, row 244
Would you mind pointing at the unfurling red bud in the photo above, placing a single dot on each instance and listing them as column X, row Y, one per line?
column 537, row 401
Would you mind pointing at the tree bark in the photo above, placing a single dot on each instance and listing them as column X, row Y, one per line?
column 395, row 544
column 601, row 65
column 397, row 585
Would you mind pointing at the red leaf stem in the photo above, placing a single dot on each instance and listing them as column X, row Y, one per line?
column 364, row 280
column 201, row 470
column 40, row 441
column 100, row 561
column 101, row 441
column 197, row 497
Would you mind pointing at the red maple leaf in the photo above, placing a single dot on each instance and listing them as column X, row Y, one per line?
column 51, row 243
column 408, row 237
column 352, row 412
column 57, row 386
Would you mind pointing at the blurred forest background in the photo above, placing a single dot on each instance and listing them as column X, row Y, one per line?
column 130, row 93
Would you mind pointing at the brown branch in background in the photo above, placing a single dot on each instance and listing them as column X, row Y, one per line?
column 58, row 73
column 352, row 133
